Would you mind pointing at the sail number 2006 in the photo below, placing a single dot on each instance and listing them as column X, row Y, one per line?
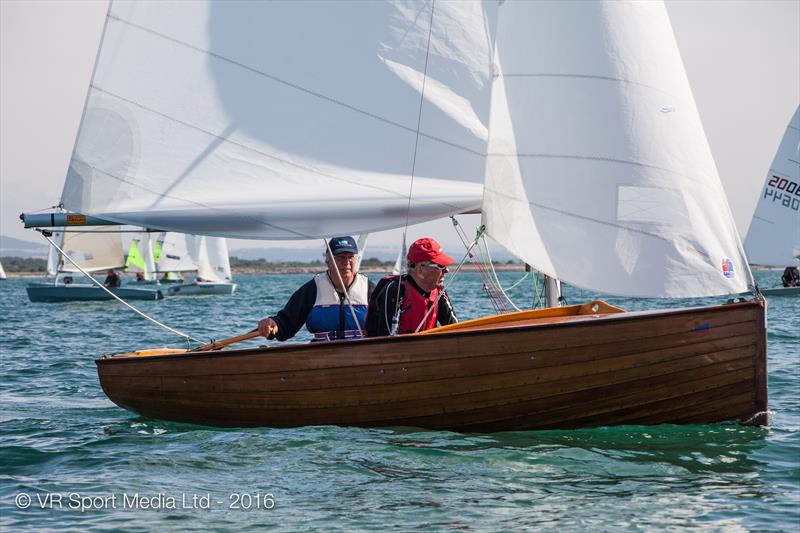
column 784, row 191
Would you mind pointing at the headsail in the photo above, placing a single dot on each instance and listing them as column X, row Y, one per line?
column 598, row 170
column 774, row 235
column 93, row 251
column 259, row 120
column 174, row 253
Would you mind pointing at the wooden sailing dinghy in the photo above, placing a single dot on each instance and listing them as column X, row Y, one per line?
column 580, row 368
column 586, row 157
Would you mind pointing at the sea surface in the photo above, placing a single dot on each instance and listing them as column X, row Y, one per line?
column 113, row 470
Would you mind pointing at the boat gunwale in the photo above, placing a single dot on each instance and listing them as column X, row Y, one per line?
column 494, row 329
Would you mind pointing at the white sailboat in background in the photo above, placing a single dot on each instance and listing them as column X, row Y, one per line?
column 570, row 124
column 773, row 238
column 213, row 268
column 95, row 251
column 2, row 272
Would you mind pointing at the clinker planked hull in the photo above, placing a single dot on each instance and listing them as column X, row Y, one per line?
column 698, row 365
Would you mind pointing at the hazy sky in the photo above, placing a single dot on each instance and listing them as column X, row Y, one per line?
column 742, row 57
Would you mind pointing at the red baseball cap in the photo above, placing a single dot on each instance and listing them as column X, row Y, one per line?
column 427, row 249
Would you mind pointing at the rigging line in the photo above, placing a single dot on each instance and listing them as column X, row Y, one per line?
column 499, row 285
column 478, row 262
column 395, row 321
column 488, row 285
column 450, row 281
column 123, row 302
column 296, row 86
column 346, row 292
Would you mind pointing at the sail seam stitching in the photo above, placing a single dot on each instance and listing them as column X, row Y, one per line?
column 583, row 76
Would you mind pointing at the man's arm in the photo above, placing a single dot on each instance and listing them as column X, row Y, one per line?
column 444, row 311
column 293, row 315
column 381, row 309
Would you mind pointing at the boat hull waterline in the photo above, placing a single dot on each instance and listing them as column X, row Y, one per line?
column 201, row 289
column 86, row 293
column 781, row 291
column 695, row 365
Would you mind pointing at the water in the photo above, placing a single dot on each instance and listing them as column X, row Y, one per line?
column 59, row 434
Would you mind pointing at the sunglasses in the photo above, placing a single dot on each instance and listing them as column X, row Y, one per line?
column 440, row 268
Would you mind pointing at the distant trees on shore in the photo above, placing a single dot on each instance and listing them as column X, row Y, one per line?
column 23, row 264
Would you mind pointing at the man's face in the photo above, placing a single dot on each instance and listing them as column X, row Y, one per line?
column 428, row 275
column 346, row 264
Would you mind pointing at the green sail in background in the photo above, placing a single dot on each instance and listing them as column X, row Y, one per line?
column 135, row 261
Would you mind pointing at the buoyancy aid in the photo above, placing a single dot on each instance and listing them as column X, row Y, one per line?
column 330, row 318
column 414, row 305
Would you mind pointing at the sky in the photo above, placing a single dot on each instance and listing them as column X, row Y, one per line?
column 742, row 58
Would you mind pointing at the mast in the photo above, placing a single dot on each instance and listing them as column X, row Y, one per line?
column 552, row 292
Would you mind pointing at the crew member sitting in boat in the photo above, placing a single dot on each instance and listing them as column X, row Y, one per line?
column 791, row 277
column 322, row 304
column 112, row 279
column 419, row 290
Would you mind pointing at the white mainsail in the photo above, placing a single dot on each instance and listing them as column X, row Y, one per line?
column 174, row 252
column 213, row 263
column 2, row 272
column 598, row 170
column 234, row 119
column 774, row 235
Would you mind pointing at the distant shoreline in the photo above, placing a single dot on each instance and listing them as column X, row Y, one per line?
column 309, row 269
column 268, row 269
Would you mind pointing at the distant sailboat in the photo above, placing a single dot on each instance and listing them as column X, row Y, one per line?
column 773, row 238
column 2, row 272
column 213, row 269
column 96, row 251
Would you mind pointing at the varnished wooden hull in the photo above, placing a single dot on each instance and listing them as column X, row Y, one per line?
column 699, row 365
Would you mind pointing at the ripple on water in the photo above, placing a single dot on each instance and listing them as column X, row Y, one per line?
column 59, row 432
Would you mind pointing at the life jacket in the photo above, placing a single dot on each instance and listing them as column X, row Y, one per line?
column 414, row 305
column 330, row 318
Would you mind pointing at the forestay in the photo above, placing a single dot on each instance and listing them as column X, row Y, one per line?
column 285, row 120
column 598, row 170
column 774, row 235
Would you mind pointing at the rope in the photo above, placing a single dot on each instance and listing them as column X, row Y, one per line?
column 396, row 316
column 123, row 302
